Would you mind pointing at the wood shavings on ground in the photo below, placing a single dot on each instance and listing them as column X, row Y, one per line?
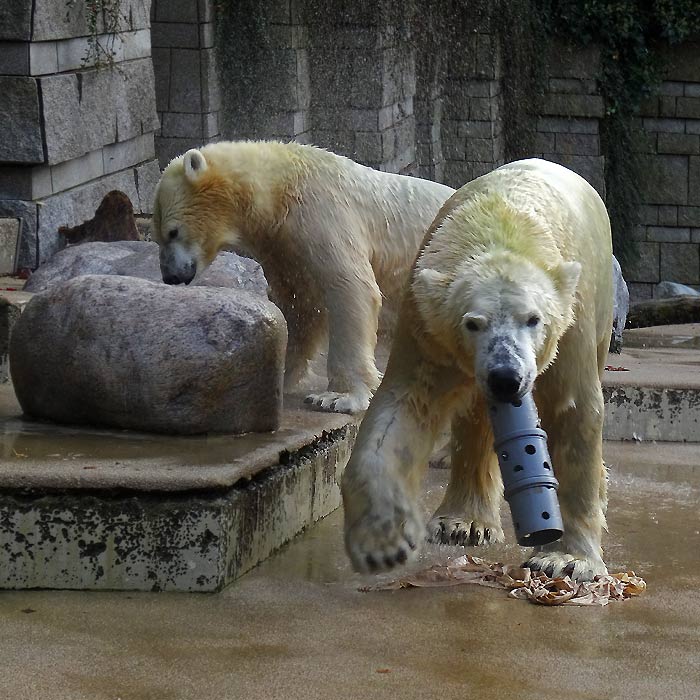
column 610, row 368
column 523, row 583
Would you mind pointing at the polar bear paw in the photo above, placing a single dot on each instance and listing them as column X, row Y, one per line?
column 556, row 564
column 335, row 402
column 378, row 542
column 447, row 529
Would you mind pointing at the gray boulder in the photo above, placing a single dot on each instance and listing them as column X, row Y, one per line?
column 140, row 259
column 621, row 306
column 667, row 290
column 129, row 353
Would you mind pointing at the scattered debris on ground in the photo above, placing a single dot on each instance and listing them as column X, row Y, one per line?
column 523, row 583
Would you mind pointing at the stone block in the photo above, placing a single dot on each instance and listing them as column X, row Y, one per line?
column 185, row 81
column 182, row 124
column 679, row 143
column 16, row 20
column 176, row 11
column 640, row 291
column 77, row 171
column 649, row 106
column 14, row 57
column 228, row 376
column 206, row 35
column 25, row 182
column 645, row 268
column 578, row 144
column 671, row 88
column 688, row 107
column 572, row 105
column 680, row 262
column 689, row 216
column 694, row 180
column 567, row 125
column 20, row 121
column 668, row 234
column 368, row 147
column 666, row 107
column 475, row 130
column 74, row 206
column 136, row 44
column 121, row 155
column 590, row 168
column 43, row 57
column 669, row 126
column 648, row 214
column 695, row 235
column 9, row 238
column 169, row 148
column 147, row 177
column 668, row 216
column 206, row 10
column 178, row 35
column 27, row 211
column 665, row 179
column 53, row 20
column 211, row 87
column 480, row 150
column 85, row 111
column 161, row 70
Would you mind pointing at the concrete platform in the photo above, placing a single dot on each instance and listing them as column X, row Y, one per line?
column 99, row 509
column 296, row 628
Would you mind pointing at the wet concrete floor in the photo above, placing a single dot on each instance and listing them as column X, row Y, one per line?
column 297, row 627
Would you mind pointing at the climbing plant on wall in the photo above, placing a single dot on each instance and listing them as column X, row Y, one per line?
column 629, row 34
column 104, row 19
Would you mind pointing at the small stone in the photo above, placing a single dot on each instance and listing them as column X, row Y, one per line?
column 666, row 290
column 127, row 353
column 113, row 221
column 140, row 259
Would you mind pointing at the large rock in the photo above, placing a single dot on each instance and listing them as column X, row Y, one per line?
column 667, row 290
column 128, row 353
column 140, row 259
column 621, row 305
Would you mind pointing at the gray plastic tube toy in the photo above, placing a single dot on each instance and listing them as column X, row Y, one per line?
column 530, row 486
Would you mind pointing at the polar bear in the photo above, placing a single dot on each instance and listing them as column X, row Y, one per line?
column 334, row 239
column 512, row 290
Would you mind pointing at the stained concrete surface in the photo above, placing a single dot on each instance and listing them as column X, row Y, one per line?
column 297, row 627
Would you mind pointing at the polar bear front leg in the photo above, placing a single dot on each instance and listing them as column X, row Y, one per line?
column 470, row 511
column 353, row 312
column 383, row 525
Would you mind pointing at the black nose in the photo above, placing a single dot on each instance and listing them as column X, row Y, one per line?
column 171, row 279
column 504, row 383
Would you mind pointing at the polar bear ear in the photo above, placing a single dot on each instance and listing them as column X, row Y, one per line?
column 195, row 164
column 430, row 285
column 567, row 276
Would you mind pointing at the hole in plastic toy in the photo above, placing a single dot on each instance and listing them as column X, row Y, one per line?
column 518, row 468
column 517, row 403
column 545, row 515
column 530, row 449
column 546, row 465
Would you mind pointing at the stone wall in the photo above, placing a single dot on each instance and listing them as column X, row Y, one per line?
column 423, row 90
column 669, row 222
column 187, row 89
column 72, row 130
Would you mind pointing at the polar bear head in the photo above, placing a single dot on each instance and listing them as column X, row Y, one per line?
column 498, row 310
column 197, row 212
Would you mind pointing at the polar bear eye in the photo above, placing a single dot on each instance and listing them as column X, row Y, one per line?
column 533, row 321
column 172, row 234
column 471, row 325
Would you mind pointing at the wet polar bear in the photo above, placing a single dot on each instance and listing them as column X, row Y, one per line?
column 512, row 288
column 333, row 238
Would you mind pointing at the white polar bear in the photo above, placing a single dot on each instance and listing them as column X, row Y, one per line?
column 512, row 290
column 334, row 238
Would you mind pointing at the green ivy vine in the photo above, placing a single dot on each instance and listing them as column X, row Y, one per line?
column 630, row 34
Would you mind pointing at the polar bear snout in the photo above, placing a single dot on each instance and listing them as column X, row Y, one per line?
column 505, row 383
column 176, row 267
